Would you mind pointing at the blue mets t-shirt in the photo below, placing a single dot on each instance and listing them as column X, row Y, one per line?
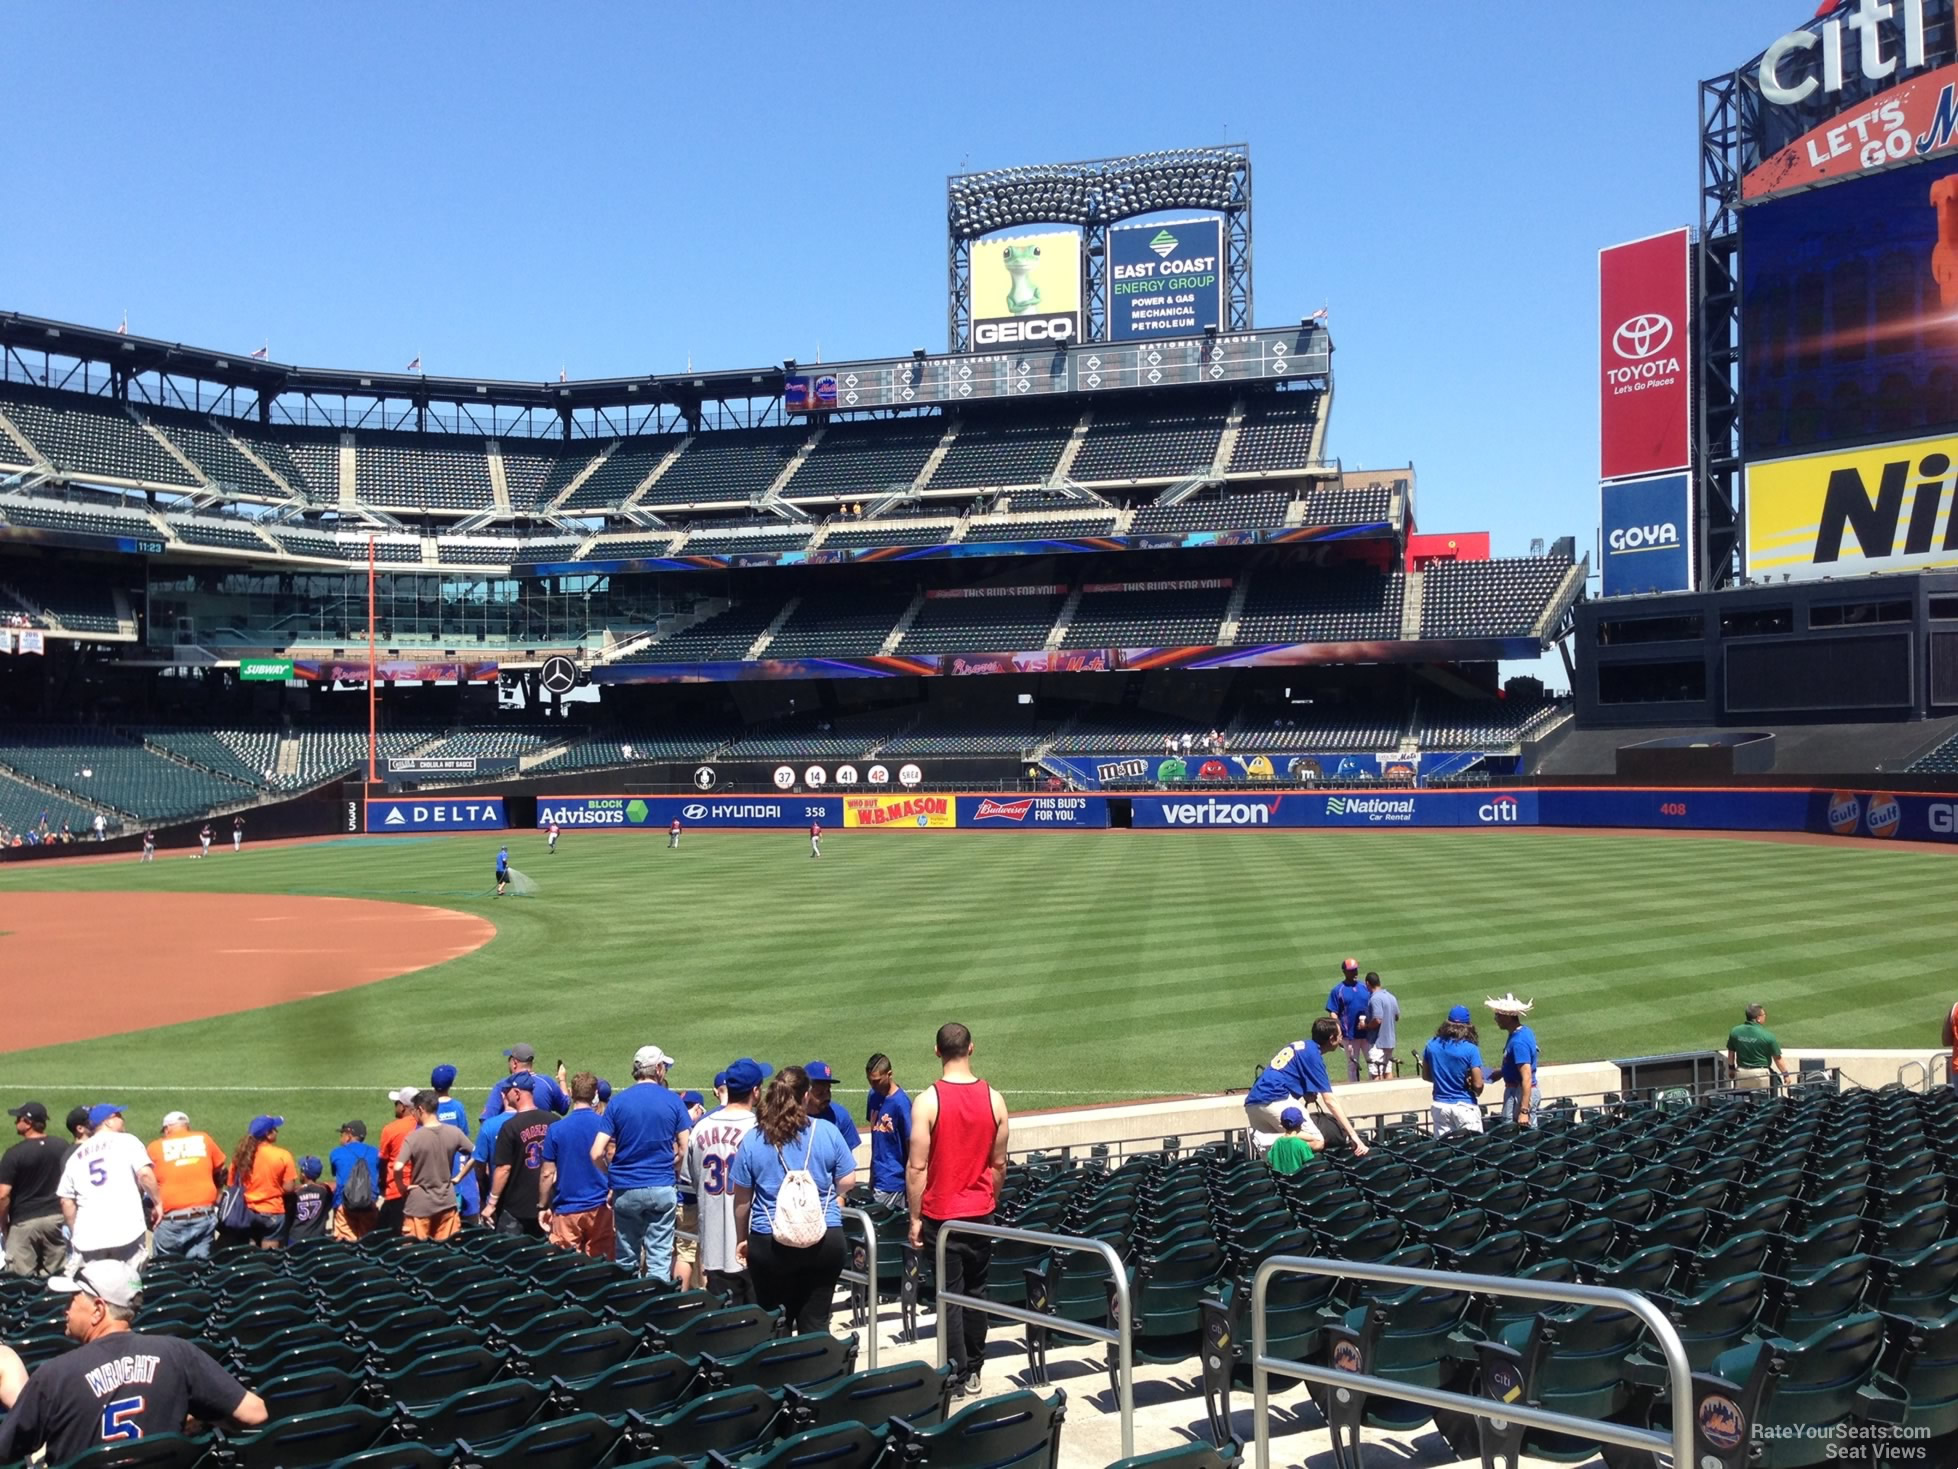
column 581, row 1184
column 890, row 1139
column 644, row 1120
column 469, row 1198
column 1296, row 1071
column 1518, row 1051
column 1349, row 1003
column 1448, row 1063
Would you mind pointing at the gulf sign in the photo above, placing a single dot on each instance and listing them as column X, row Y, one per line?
column 1645, row 357
column 460, row 813
column 899, row 813
column 1885, row 508
column 1647, row 529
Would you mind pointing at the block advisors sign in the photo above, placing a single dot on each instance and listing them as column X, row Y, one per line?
column 1165, row 280
column 1644, row 357
column 1647, row 529
column 659, row 812
column 1886, row 508
column 460, row 813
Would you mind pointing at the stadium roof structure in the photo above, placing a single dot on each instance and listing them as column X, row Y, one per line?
column 64, row 356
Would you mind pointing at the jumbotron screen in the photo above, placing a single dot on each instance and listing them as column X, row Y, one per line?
column 1849, row 311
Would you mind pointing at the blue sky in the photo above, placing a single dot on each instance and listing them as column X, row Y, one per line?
column 506, row 190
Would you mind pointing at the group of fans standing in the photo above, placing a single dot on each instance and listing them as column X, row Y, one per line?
column 1363, row 1019
column 744, row 1198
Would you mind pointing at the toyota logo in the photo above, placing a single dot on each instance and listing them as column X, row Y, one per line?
column 704, row 778
column 1639, row 337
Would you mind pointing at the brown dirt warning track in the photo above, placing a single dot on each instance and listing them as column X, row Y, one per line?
column 149, row 959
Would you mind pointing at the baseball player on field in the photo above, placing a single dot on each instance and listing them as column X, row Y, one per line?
column 551, row 838
column 204, row 836
column 149, row 846
column 673, row 834
column 237, row 833
column 815, row 839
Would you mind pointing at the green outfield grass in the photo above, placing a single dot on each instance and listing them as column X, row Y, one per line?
column 1091, row 967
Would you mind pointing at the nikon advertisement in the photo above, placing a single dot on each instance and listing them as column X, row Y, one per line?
column 1026, row 291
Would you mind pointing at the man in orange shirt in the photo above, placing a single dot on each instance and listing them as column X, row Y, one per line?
column 189, row 1172
column 394, row 1194
column 270, row 1177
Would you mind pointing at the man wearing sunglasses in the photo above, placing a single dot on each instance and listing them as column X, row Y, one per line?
column 117, row 1385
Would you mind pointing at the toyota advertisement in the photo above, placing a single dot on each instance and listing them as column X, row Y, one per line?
column 1645, row 357
column 1849, row 312
column 1646, row 526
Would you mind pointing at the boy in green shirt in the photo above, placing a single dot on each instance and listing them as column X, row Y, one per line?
column 1290, row 1151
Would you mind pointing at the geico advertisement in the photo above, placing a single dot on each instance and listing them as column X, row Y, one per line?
column 1881, row 509
column 899, row 812
column 1026, row 291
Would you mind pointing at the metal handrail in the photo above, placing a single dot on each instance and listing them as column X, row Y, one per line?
column 866, row 1278
column 1119, row 1337
column 1679, row 1442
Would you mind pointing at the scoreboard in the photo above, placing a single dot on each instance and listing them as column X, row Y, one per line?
column 1088, row 367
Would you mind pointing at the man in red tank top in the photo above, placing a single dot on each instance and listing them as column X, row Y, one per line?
column 957, row 1163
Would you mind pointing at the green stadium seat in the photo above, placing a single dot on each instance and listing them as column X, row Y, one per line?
column 1228, row 1455
column 157, row 1451
column 1019, row 1428
column 840, row 1446
column 794, row 1361
column 482, row 1416
column 581, row 1441
column 307, row 1441
column 730, row 1422
column 647, row 1385
column 912, row 1391
column 309, row 1390
column 723, row 1333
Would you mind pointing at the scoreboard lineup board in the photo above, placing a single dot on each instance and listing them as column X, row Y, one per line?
column 1298, row 351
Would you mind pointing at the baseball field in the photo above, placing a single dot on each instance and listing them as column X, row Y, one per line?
column 1091, row 967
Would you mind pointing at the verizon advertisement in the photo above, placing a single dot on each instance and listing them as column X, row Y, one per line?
column 1644, row 404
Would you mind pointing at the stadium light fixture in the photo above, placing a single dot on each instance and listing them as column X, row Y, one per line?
column 788, row 364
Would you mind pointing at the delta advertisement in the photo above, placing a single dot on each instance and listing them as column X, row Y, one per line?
column 574, row 813
column 1165, row 280
column 1026, row 291
column 1849, row 312
column 899, row 813
column 1887, row 508
column 1647, row 529
column 449, row 813
column 1240, row 810
column 1645, row 357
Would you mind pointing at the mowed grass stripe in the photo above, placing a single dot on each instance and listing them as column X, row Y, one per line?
column 1091, row 965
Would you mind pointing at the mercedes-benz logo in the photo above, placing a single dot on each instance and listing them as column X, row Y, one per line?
column 704, row 778
column 560, row 674
column 1639, row 337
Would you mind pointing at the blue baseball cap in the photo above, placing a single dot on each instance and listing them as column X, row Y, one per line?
column 310, row 1166
column 264, row 1126
column 101, row 1112
column 819, row 1071
column 693, row 1099
column 720, row 1080
column 745, row 1075
column 442, row 1078
column 1461, row 1015
column 1292, row 1117
column 604, row 1090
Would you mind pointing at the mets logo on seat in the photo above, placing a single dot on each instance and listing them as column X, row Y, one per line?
column 1722, row 1424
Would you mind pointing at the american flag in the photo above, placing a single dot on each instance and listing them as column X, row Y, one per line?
column 415, row 366
column 1319, row 315
column 263, row 352
column 560, row 375
column 123, row 330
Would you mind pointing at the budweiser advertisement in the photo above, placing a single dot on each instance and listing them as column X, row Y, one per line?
column 1645, row 357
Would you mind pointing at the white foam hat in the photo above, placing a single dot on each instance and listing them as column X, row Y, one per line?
column 1510, row 1005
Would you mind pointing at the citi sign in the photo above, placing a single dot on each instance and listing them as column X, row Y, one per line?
column 1643, row 537
column 1503, row 810
column 1879, row 47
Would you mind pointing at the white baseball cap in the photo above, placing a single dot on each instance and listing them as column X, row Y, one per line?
column 109, row 1281
column 647, row 1057
column 175, row 1119
column 405, row 1096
